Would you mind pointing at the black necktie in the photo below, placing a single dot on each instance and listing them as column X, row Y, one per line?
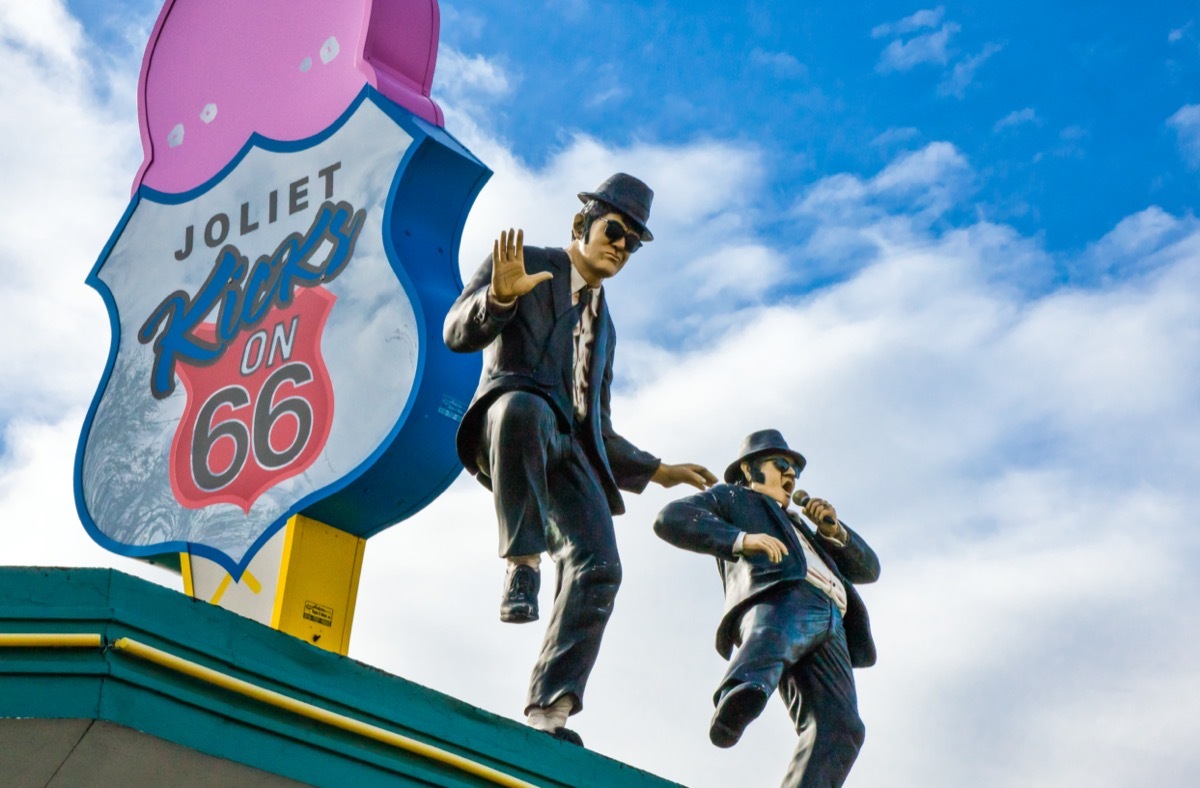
column 582, row 350
column 585, row 300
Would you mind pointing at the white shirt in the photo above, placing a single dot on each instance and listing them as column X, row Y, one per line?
column 818, row 572
column 584, row 335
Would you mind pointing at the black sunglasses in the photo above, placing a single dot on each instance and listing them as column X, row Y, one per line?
column 614, row 231
column 783, row 463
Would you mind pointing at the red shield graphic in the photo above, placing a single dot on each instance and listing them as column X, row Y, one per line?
column 258, row 415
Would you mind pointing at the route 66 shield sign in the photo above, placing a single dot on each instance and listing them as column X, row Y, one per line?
column 277, row 284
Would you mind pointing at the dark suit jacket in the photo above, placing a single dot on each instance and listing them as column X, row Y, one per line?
column 530, row 348
column 709, row 522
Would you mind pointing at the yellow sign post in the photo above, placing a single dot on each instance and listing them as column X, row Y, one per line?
column 304, row 581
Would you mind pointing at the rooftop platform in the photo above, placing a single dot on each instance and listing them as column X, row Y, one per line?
column 107, row 679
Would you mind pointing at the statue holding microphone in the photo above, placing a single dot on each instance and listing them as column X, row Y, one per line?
column 791, row 609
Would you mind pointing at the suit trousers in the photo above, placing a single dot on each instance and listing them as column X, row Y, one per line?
column 793, row 639
column 548, row 498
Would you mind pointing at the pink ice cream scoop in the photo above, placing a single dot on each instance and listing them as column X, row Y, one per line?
column 216, row 72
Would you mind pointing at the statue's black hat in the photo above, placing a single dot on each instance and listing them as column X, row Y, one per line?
column 629, row 196
column 757, row 444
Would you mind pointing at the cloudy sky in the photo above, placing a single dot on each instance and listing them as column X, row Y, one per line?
column 951, row 252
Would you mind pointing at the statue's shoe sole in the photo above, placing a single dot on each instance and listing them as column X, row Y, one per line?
column 735, row 711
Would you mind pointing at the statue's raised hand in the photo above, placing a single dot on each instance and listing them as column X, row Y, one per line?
column 509, row 280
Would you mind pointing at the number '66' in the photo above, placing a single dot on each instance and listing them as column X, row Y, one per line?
column 258, row 438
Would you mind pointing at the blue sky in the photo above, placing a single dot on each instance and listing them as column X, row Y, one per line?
column 950, row 251
column 1061, row 111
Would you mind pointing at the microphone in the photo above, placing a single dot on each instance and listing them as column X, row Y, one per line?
column 801, row 499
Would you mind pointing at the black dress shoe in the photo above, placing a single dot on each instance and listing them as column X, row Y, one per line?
column 519, row 605
column 568, row 735
column 735, row 711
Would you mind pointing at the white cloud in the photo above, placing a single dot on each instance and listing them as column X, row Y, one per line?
column 1071, row 139
column 1178, row 33
column 68, row 160
column 610, row 95
column 900, row 55
column 895, row 136
column 960, row 77
column 1186, row 124
column 931, row 48
column 1143, row 241
column 736, row 274
column 923, row 183
column 783, row 65
column 45, row 29
column 846, row 216
column 37, row 507
column 1018, row 117
column 466, row 23
column 931, row 164
column 920, row 20
column 472, row 83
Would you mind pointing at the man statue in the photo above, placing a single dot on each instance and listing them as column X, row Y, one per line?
column 790, row 605
column 538, row 431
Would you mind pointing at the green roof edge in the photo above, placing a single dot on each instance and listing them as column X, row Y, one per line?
column 112, row 685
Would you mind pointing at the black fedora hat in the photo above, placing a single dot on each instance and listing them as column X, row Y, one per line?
column 757, row 444
column 629, row 196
